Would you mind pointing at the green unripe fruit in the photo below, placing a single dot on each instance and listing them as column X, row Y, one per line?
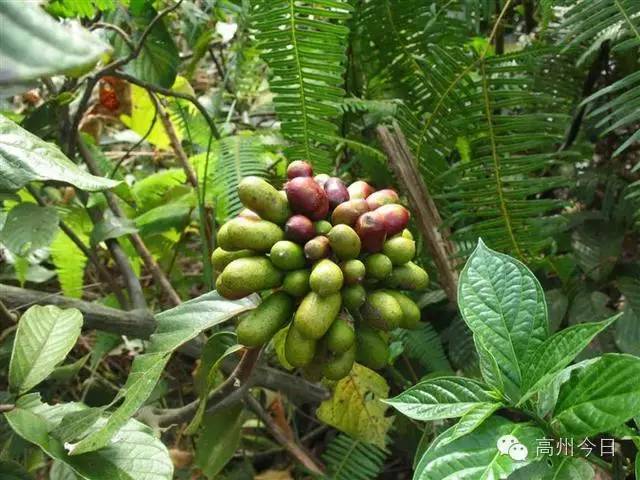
column 287, row 255
column 262, row 323
column 340, row 336
column 371, row 349
column 344, row 241
column 222, row 237
column 406, row 233
column 399, row 249
column 322, row 227
column 298, row 349
column 260, row 196
column 410, row 311
column 381, row 310
column 353, row 271
column 326, row 278
column 353, row 297
column 312, row 372
column 221, row 258
column 316, row 314
column 378, row 266
column 248, row 275
column 340, row 365
column 408, row 277
column 226, row 292
column 296, row 283
column 244, row 233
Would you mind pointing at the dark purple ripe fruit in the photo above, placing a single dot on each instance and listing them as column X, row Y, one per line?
column 349, row 211
column 395, row 217
column 307, row 197
column 317, row 248
column 360, row 189
column 336, row 191
column 299, row 229
column 382, row 197
column 371, row 229
column 299, row 168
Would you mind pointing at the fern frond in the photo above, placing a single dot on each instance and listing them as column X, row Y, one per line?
column 349, row 459
column 231, row 159
column 589, row 24
column 304, row 44
column 424, row 346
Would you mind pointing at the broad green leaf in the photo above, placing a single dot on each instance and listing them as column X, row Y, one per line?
column 488, row 366
column 356, row 407
column 557, row 352
column 44, row 337
column 476, row 456
column 159, row 58
column 213, row 353
column 175, row 327
column 548, row 395
column 599, row 397
column 34, row 45
column 570, row 468
column 25, row 158
column 142, row 117
column 443, row 397
column 557, row 305
column 504, row 306
column 29, row 227
column 111, row 227
column 75, row 424
column 61, row 471
column 473, row 419
column 218, row 440
column 66, row 372
column 136, row 455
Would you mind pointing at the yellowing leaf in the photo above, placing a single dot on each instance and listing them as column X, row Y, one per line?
column 355, row 406
column 142, row 113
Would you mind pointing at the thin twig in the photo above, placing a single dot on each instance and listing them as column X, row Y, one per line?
column 6, row 317
column 149, row 262
column 298, row 452
column 6, row 407
column 428, row 218
column 89, row 253
column 114, row 28
column 108, row 70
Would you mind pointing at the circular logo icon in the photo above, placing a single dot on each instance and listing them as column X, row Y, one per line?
column 505, row 442
column 518, row 452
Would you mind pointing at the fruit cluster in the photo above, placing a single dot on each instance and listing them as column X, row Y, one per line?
column 338, row 258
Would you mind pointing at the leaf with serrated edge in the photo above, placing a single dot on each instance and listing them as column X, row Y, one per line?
column 503, row 304
column 355, row 407
column 175, row 327
column 136, row 455
column 473, row 419
column 557, row 352
column 599, row 397
column 444, row 397
column 44, row 337
column 476, row 456
column 25, row 158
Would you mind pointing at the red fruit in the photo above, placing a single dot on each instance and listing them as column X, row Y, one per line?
column 321, row 179
column 336, row 191
column 307, row 197
column 395, row 217
column 317, row 248
column 349, row 211
column 299, row 168
column 360, row 189
column 382, row 197
column 371, row 229
column 299, row 229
